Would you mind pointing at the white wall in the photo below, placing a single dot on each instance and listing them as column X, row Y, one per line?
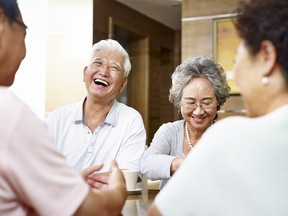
column 71, row 23
column 29, row 84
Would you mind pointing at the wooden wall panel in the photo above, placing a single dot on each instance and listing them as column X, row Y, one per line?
column 197, row 35
column 131, row 20
column 196, row 8
column 153, row 61
column 197, row 39
column 234, row 106
column 138, row 78
column 154, row 93
column 161, row 111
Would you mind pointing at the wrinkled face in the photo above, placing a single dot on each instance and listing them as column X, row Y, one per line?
column 242, row 67
column 12, row 47
column 199, row 103
column 246, row 75
column 104, row 76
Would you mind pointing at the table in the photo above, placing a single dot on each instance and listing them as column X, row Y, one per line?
column 139, row 203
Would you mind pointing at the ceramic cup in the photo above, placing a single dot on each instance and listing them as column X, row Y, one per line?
column 131, row 177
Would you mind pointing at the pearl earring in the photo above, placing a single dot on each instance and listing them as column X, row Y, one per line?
column 265, row 80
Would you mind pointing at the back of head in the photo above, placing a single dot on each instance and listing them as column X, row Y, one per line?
column 115, row 46
column 10, row 9
column 261, row 20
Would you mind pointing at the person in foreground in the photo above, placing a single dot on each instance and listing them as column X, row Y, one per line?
column 199, row 88
column 240, row 164
column 34, row 177
column 99, row 129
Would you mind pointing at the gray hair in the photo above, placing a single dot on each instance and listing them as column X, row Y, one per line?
column 114, row 46
column 199, row 67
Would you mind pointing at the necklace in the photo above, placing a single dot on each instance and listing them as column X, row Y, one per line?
column 187, row 136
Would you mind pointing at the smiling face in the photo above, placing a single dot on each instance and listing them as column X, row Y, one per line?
column 247, row 75
column 104, row 76
column 198, row 104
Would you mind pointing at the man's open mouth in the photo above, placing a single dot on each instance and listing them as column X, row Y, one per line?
column 101, row 82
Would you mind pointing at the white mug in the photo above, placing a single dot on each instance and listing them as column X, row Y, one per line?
column 131, row 177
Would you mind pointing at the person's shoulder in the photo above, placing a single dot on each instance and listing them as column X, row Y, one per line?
column 172, row 126
column 13, row 109
column 225, row 133
column 6, row 93
column 230, row 123
column 232, row 120
column 125, row 106
column 66, row 108
column 128, row 109
column 9, row 99
column 228, row 127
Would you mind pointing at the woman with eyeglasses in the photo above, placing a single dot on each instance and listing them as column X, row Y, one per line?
column 240, row 165
column 199, row 88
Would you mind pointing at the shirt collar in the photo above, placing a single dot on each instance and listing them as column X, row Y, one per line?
column 111, row 117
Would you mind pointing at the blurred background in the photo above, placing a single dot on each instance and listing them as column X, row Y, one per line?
column 158, row 35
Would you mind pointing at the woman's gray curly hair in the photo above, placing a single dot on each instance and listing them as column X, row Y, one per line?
column 199, row 67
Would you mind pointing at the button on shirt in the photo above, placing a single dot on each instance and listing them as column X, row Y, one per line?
column 121, row 136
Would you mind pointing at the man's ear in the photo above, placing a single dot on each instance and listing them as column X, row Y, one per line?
column 84, row 72
column 268, row 57
column 124, row 83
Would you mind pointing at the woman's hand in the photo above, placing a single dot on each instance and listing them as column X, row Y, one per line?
column 176, row 163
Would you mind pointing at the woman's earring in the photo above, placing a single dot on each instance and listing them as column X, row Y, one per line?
column 265, row 80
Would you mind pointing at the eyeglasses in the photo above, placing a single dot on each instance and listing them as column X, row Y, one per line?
column 191, row 105
column 111, row 68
